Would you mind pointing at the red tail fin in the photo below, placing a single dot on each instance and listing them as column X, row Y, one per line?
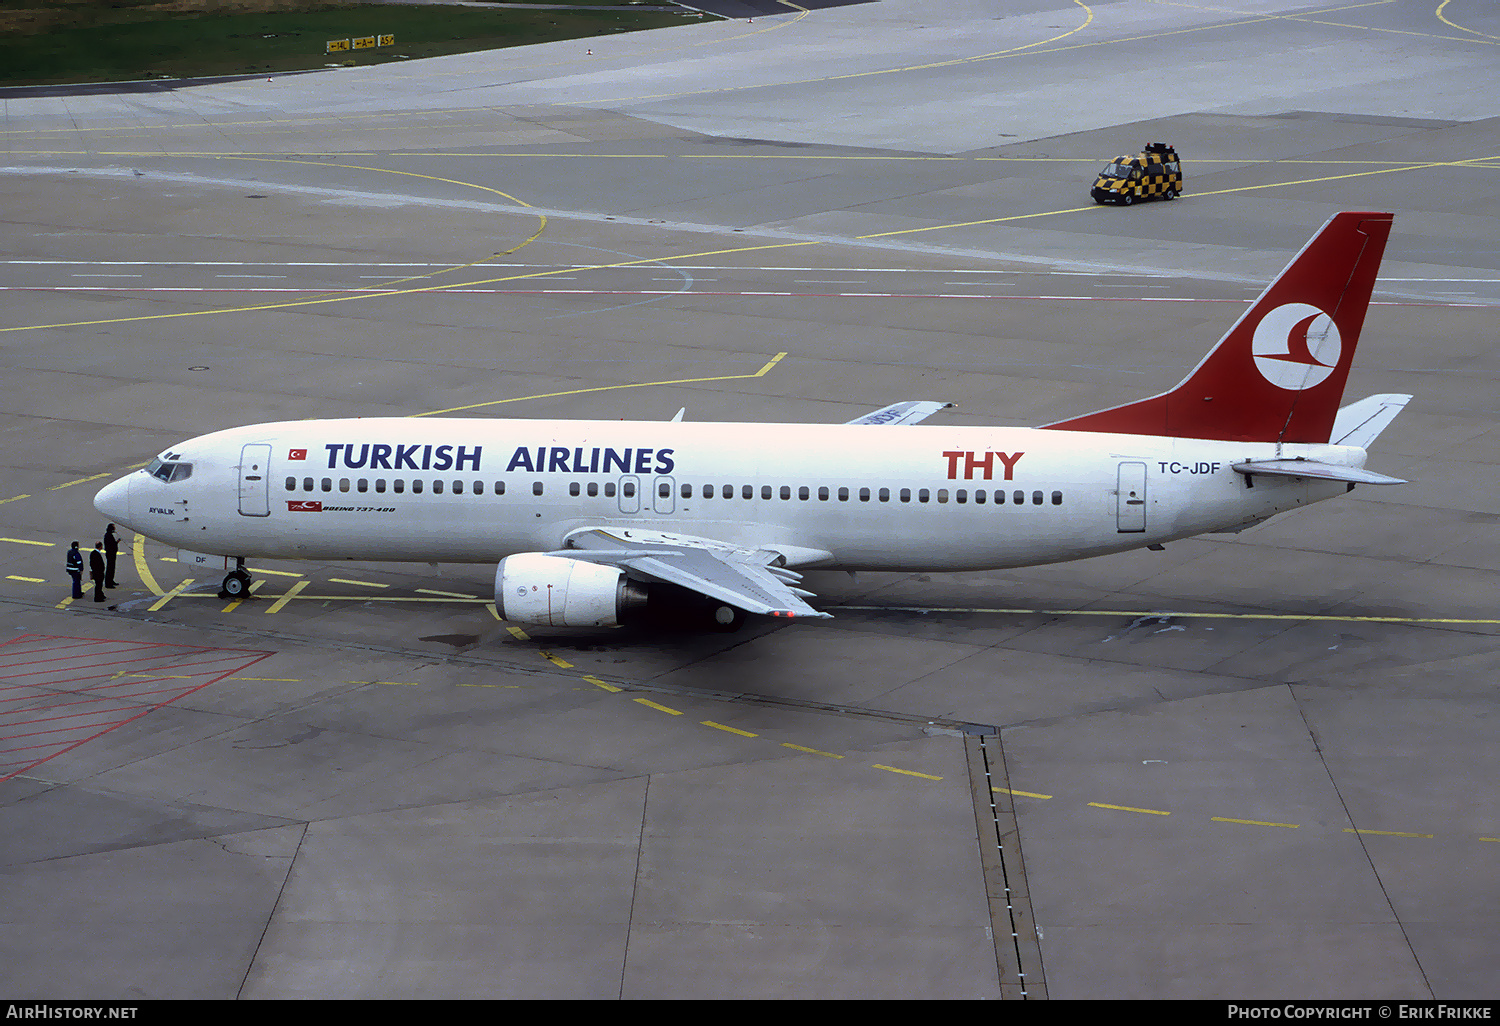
column 1279, row 373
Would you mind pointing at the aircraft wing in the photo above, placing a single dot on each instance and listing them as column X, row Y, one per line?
column 755, row 580
column 909, row 412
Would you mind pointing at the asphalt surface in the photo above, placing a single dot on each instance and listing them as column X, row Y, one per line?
column 1255, row 766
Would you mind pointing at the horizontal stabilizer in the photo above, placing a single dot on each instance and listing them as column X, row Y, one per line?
column 909, row 412
column 1360, row 423
column 1312, row 468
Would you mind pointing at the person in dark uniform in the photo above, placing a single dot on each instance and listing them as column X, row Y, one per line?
column 96, row 570
column 75, row 570
column 111, row 550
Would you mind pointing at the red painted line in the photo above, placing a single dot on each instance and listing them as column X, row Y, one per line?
column 91, row 666
column 209, row 665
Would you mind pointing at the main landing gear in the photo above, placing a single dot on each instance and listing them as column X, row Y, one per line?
column 237, row 582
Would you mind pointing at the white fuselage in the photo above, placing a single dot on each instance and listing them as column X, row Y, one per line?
column 878, row 498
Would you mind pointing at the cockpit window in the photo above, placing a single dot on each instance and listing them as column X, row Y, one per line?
column 169, row 472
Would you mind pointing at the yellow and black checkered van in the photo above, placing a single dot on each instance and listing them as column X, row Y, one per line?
column 1155, row 171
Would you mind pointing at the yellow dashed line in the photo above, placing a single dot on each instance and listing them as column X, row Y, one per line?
column 1023, row 794
column 599, row 683
column 659, row 708
column 1385, row 833
column 14, row 498
column 28, row 580
column 81, row 480
column 555, row 661
column 1128, row 808
column 1254, row 822
column 444, row 594
column 519, row 634
column 364, row 584
column 810, row 751
column 26, row 541
column 907, row 773
column 732, row 730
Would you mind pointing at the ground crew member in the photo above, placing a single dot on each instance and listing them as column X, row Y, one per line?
column 75, row 570
column 96, row 570
column 111, row 550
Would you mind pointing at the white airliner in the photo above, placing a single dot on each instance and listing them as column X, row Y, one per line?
column 593, row 523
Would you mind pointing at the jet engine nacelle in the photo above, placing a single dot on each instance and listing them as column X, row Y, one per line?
column 554, row 591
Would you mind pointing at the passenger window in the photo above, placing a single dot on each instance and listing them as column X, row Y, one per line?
column 478, row 487
column 765, row 491
column 458, row 487
column 609, row 489
column 961, row 496
column 573, row 488
column 747, row 492
column 803, row 493
column 327, row 484
column 380, row 484
column 627, row 489
column 923, row 495
column 437, row 487
column 1019, row 497
column 307, row 484
column 979, row 496
column 823, row 494
column 362, row 485
column 942, row 495
column 999, row 497
column 686, row 491
column 343, row 484
column 664, row 490
column 708, row 491
column 291, row 484
column 906, row 495
column 416, row 486
column 1036, row 498
column 593, row 489
column 499, row 487
column 786, row 491
column 536, row 488
column 1057, row 498
column 398, row 485
column 843, row 495
column 864, row 495
column 885, row 495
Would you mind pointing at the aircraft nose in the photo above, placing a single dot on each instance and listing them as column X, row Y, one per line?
column 113, row 501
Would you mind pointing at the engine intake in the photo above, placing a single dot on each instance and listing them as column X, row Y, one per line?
column 554, row 591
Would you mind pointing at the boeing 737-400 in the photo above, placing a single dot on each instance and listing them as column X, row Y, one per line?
column 591, row 523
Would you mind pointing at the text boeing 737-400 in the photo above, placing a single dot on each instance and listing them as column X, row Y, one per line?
column 592, row 523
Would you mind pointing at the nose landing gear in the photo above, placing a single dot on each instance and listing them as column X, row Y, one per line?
column 237, row 582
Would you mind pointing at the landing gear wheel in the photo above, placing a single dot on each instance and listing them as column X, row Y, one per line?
column 728, row 619
column 236, row 584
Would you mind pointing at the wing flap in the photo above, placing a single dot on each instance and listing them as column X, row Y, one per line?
column 909, row 412
column 741, row 577
column 1314, row 469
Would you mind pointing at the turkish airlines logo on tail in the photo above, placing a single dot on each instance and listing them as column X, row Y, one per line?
column 303, row 506
column 1296, row 346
